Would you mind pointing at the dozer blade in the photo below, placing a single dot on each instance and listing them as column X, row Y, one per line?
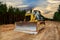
column 26, row 27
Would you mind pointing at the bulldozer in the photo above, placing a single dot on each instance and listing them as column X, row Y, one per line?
column 30, row 24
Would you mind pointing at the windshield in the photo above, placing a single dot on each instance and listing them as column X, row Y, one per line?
column 37, row 14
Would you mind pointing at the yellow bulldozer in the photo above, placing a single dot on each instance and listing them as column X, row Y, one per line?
column 30, row 24
column 30, row 17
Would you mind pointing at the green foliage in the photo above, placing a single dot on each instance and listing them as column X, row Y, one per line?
column 59, row 9
column 10, row 15
column 3, row 8
column 57, row 15
column 3, row 11
column 11, row 10
column 17, row 11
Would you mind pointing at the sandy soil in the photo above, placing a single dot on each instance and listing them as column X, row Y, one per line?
column 51, row 32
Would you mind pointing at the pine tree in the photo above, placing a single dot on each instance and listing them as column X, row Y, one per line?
column 57, row 15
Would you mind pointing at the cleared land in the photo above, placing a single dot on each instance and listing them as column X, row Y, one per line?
column 51, row 32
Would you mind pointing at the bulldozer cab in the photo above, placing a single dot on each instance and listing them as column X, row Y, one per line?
column 33, row 17
column 30, row 17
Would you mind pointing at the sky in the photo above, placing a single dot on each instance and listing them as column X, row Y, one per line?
column 26, row 3
column 22, row 3
column 47, row 6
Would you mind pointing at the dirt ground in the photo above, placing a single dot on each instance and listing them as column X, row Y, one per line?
column 51, row 32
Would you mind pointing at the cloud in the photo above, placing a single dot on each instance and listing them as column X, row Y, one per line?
column 10, row 4
column 48, row 7
column 53, row 1
column 30, row 3
column 22, row 2
column 13, row 2
column 53, row 4
column 22, row 6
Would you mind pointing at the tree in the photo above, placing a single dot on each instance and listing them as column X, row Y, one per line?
column 3, row 8
column 57, row 15
column 11, row 14
column 0, row 2
column 17, row 14
column 59, row 9
column 22, row 15
column 3, row 11
column 11, row 10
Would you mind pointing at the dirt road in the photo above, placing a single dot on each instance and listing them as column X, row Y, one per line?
column 51, row 32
